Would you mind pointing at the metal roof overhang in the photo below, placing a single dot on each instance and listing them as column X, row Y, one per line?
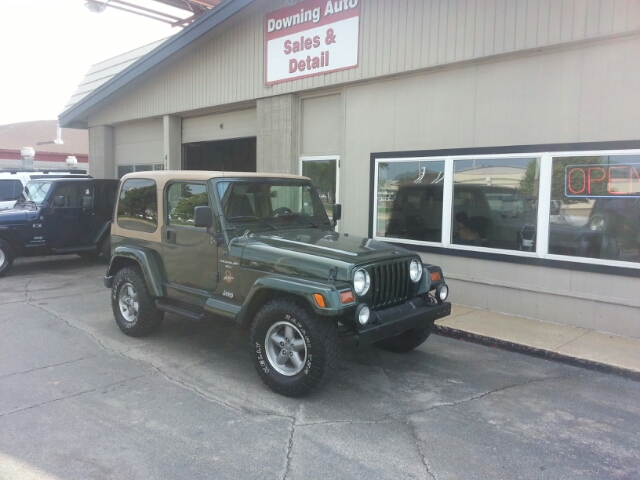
column 76, row 116
column 155, row 9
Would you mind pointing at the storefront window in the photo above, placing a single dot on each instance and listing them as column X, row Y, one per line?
column 124, row 169
column 597, row 200
column 409, row 200
column 495, row 202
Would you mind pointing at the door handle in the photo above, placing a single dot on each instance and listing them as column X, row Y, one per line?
column 171, row 236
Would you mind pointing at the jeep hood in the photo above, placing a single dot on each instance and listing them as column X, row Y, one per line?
column 314, row 252
column 13, row 216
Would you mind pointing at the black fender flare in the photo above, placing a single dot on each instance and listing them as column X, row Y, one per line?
column 146, row 259
column 299, row 287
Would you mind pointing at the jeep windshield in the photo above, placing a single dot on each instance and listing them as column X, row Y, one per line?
column 35, row 192
column 272, row 204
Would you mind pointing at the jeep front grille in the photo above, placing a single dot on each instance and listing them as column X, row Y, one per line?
column 390, row 284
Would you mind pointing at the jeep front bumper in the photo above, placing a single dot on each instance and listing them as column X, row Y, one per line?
column 395, row 320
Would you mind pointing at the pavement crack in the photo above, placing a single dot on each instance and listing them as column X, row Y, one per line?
column 490, row 392
column 65, row 321
column 557, row 349
column 389, row 418
column 201, row 393
column 47, row 366
column 27, row 294
column 429, row 473
column 18, row 410
column 294, row 423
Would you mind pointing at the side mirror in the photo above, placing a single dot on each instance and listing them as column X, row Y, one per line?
column 337, row 213
column 203, row 217
column 58, row 201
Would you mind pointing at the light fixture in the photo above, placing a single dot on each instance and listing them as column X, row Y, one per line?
column 95, row 6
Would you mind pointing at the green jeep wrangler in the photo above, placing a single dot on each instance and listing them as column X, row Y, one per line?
column 261, row 248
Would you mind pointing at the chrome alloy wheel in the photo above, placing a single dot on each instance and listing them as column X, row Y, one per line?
column 128, row 302
column 2, row 257
column 286, row 348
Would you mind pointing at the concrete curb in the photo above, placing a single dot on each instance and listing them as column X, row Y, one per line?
column 458, row 334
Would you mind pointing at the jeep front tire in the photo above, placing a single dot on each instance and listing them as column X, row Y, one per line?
column 6, row 257
column 292, row 349
column 133, row 307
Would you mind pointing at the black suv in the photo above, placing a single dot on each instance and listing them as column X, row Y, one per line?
column 58, row 216
column 617, row 220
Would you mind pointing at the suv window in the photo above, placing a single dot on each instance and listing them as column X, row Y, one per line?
column 182, row 199
column 75, row 195
column 289, row 202
column 10, row 189
column 137, row 205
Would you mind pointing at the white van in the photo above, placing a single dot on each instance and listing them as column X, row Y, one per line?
column 13, row 180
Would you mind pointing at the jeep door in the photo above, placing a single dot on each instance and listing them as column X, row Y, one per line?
column 189, row 253
column 72, row 223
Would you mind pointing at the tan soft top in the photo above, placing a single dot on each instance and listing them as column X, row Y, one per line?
column 163, row 176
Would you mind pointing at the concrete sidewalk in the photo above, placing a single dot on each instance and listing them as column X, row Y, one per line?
column 595, row 350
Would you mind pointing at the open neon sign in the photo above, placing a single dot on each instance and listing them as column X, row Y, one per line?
column 618, row 180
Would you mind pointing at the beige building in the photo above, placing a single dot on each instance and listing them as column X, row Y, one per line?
column 523, row 115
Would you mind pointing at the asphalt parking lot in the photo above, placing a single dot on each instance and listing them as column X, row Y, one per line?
column 79, row 400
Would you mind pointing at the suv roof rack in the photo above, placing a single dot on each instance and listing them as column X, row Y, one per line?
column 43, row 170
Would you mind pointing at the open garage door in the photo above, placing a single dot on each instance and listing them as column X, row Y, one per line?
column 221, row 141
column 237, row 155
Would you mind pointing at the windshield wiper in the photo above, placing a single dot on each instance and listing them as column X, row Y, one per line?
column 252, row 217
column 303, row 218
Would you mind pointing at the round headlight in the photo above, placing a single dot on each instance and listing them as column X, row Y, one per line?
column 596, row 224
column 361, row 281
column 415, row 270
column 442, row 292
column 363, row 313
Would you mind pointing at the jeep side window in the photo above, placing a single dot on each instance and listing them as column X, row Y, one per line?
column 75, row 195
column 138, row 205
column 182, row 199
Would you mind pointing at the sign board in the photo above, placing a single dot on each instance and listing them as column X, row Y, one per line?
column 611, row 180
column 312, row 37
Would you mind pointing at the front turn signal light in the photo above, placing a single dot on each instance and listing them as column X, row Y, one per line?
column 347, row 296
column 435, row 277
column 319, row 300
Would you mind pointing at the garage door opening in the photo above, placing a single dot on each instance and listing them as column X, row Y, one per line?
column 237, row 155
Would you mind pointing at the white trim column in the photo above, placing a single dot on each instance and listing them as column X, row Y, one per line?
column 172, row 137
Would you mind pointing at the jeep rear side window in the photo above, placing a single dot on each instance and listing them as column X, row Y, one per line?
column 75, row 195
column 138, row 205
column 182, row 199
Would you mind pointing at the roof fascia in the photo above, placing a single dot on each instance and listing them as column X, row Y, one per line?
column 72, row 118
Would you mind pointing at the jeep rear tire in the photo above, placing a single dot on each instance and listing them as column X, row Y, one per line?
column 292, row 349
column 406, row 341
column 6, row 257
column 133, row 307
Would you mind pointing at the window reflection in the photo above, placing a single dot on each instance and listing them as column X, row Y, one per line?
column 409, row 200
column 495, row 202
column 597, row 214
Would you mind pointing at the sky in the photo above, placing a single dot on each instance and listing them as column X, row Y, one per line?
column 47, row 47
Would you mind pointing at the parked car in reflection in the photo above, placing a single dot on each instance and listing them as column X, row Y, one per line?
column 503, row 217
column 617, row 221
column 496, row 214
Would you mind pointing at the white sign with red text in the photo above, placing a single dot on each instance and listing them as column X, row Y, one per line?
column 313, row 37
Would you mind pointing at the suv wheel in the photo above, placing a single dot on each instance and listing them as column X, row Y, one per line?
column 133, row 307
column 6, row 257
column 291, row 348
column 405, row 342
